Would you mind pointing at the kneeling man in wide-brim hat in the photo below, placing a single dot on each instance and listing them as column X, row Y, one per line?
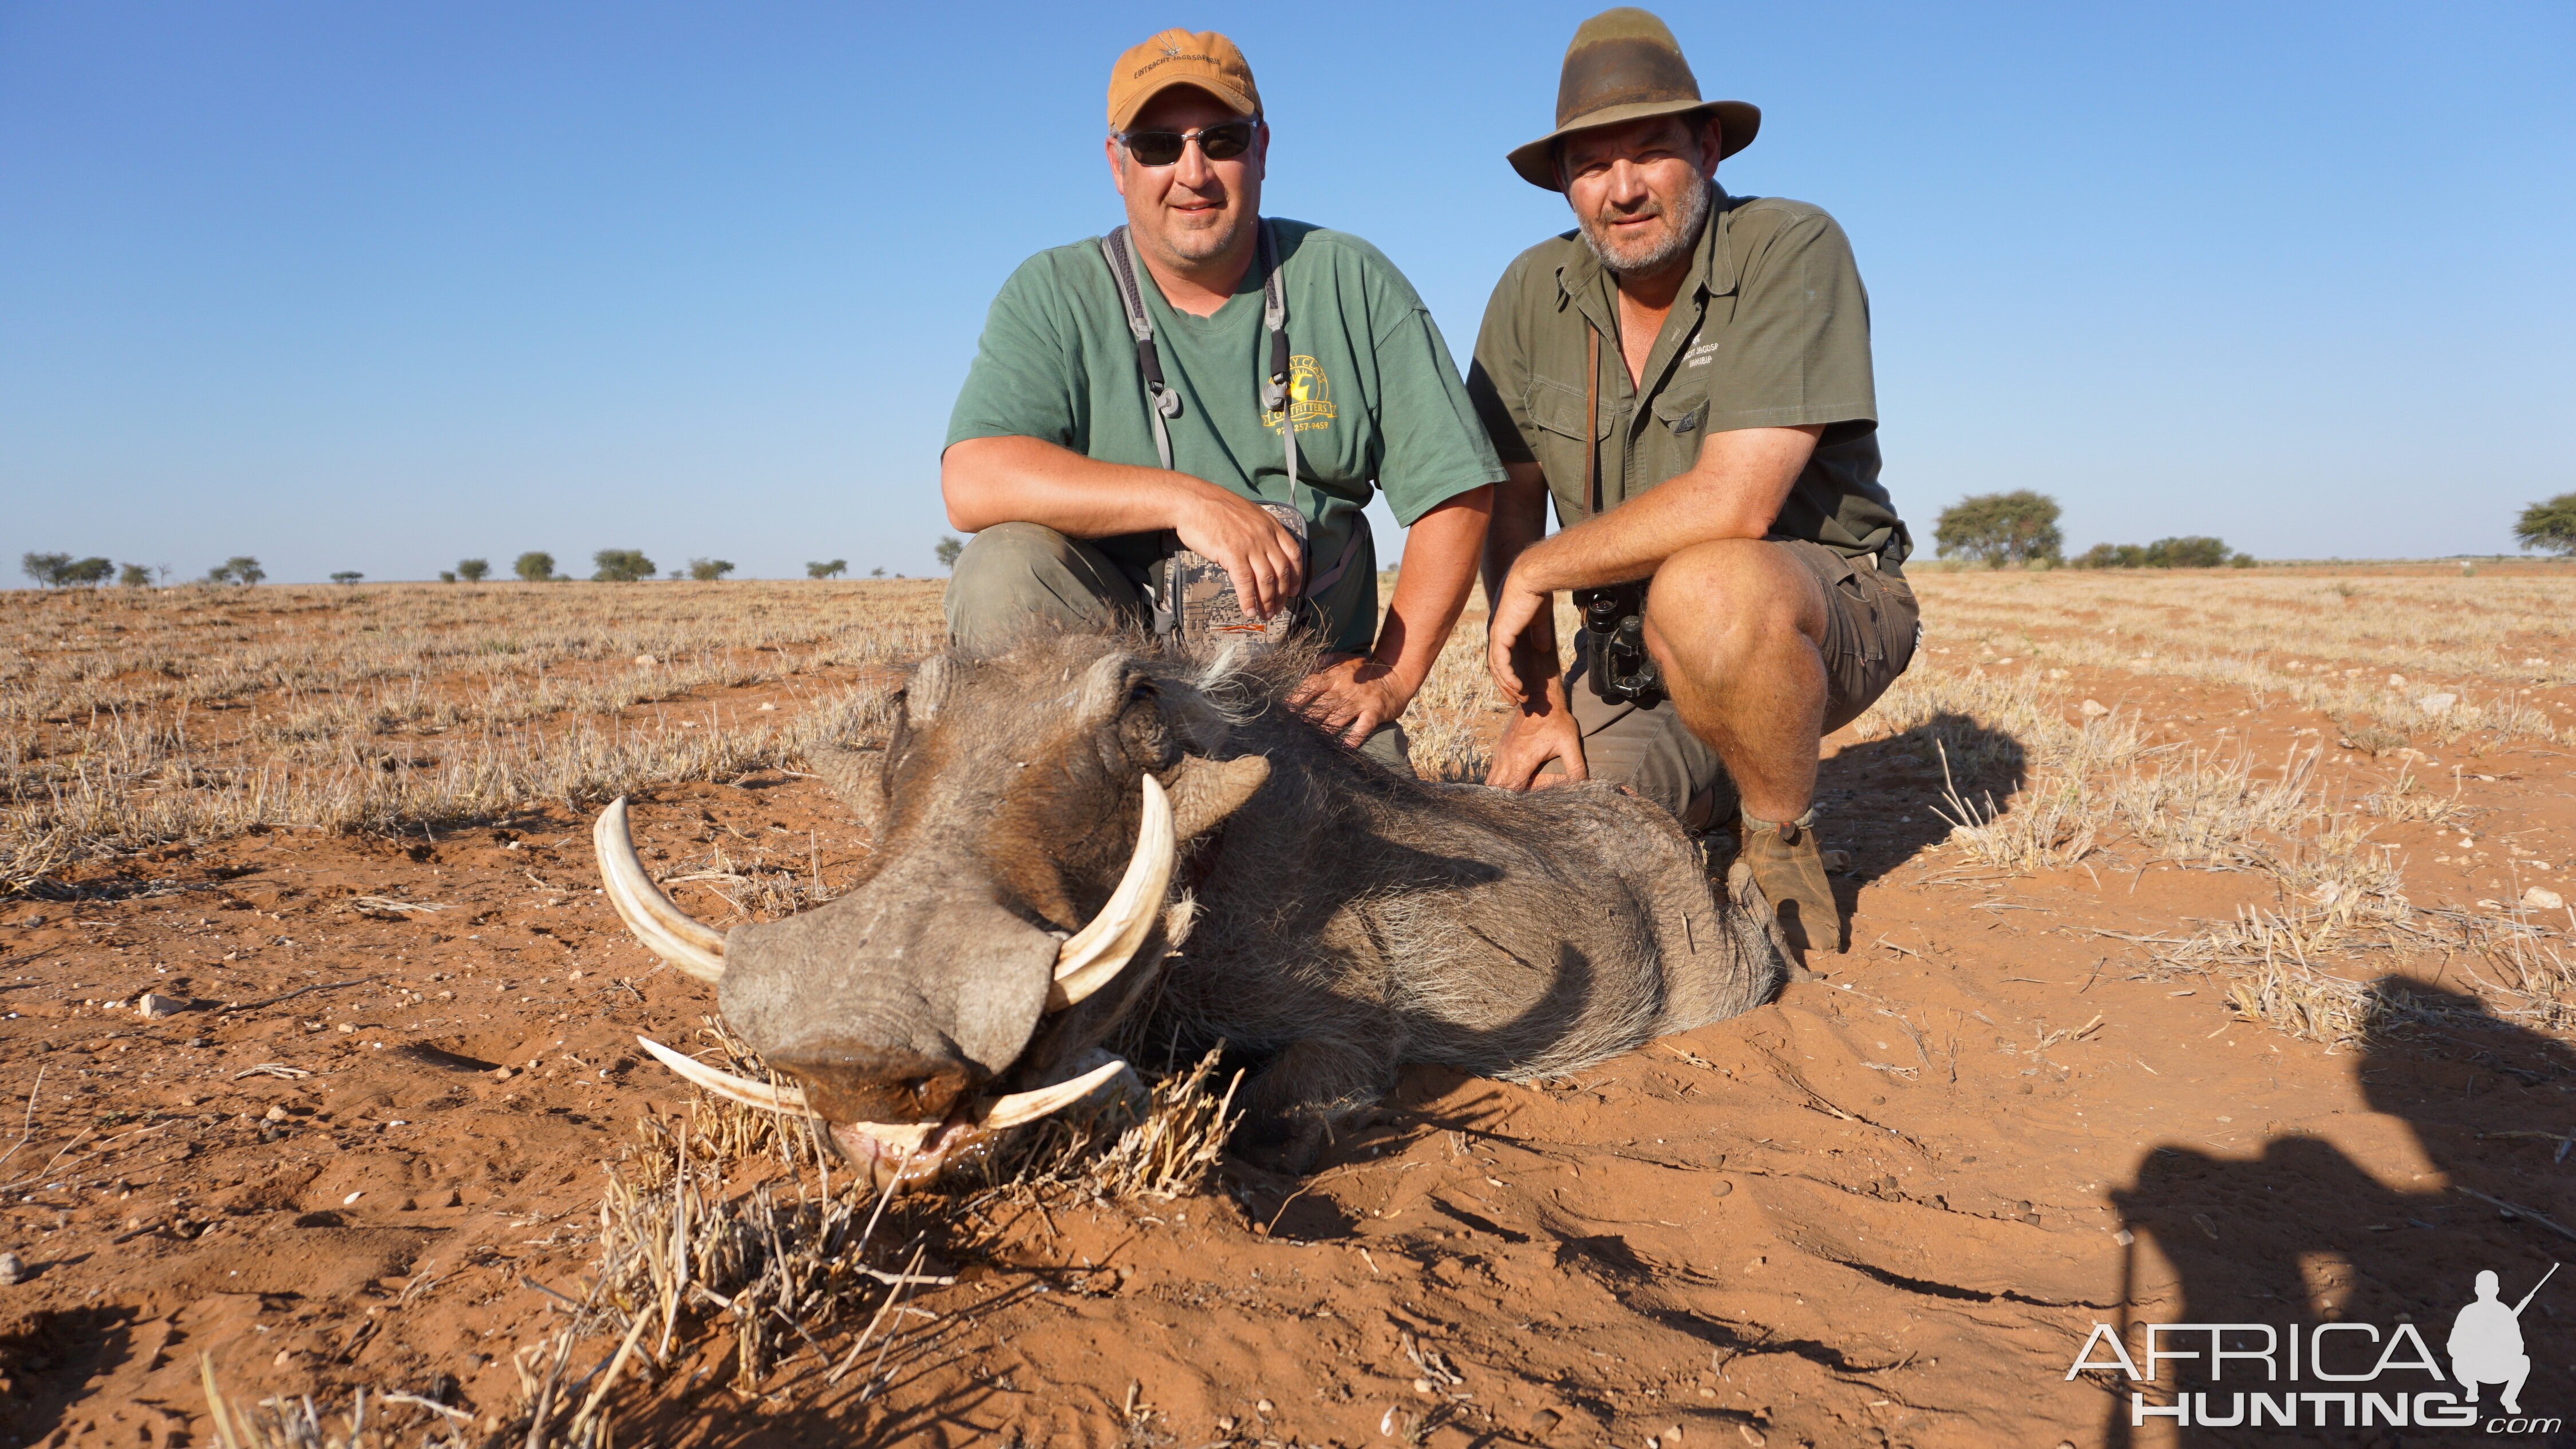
column 1687, row 373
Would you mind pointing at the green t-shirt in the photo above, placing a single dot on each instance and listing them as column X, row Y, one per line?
column 1375, row 397
column 1772, row 330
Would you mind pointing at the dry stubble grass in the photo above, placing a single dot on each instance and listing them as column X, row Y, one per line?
column 136, row 719
column 2096, row 784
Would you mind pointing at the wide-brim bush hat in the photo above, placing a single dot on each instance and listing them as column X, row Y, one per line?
column 1624, row 65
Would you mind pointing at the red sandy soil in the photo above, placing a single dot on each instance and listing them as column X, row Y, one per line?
column 1875, row 1212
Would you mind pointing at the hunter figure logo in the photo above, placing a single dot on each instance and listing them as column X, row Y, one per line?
column 1310, row 398
column 2485, row 1347
column 2486, row 1342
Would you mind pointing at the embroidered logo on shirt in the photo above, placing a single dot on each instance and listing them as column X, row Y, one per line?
column 1699, row 356
column 1310, row 397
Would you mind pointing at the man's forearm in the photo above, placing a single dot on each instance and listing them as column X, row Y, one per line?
column 1440, row 555
column 986, row 481
column 1520, row 520
column 1734, row 491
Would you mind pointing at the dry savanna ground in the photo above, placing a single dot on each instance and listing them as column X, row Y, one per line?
column 2204, row 968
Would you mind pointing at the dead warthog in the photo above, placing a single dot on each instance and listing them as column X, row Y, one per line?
column 1034, row 814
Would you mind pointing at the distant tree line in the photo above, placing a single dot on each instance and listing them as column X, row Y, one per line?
column 2195, row 552
column 1999, row 537
column 2020, row 528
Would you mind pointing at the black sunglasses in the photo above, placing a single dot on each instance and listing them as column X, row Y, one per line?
column 1163, row 148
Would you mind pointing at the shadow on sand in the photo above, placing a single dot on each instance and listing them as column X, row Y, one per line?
column 2304, row 1241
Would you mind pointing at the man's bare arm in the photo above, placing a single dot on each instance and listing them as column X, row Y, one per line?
column 1542, row 727
column 1520, row 520
column 986, row 481
column 1356, row 695
column 1734, row 491
column 1440, row 555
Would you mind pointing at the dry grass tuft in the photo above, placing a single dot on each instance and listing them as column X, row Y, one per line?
column 377, row 1421
column 1166, row 1148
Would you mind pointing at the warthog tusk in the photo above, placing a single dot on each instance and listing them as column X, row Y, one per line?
column 1021, row 1107
column 727, row 1085
column 1102, row 949
column 1013, row 1110
column 664, row 928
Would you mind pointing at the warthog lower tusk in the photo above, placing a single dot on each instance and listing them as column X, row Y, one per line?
column 664, row 928
column 1100, row 950
column 1013, row 1110
column 1021, row 1107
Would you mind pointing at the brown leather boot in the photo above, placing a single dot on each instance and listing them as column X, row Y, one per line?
column 1790, row 867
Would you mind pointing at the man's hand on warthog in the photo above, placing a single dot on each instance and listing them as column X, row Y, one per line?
column 1542, row 728
column 1351, row 695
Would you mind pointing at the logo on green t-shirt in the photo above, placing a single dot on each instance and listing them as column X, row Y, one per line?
column 1310, row 397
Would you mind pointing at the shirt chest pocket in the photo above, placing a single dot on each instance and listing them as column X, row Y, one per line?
column 1559, row 409
column 1682, row 410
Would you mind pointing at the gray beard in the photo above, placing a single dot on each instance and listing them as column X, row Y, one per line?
column 1677, row 242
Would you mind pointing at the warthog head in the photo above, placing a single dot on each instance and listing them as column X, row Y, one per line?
column 1028, row 814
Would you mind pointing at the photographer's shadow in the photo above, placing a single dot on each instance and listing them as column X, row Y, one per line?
column 2305, row 1236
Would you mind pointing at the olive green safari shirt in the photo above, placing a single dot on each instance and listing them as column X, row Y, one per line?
column 1771, row 330
column 1373, row 394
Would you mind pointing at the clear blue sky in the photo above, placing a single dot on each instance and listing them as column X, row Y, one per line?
column 380, row 286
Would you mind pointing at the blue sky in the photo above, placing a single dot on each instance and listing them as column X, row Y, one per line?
column 381, row 286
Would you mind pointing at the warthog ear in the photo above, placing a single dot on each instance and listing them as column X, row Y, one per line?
column 929, row 687
column 1204, row 792
column 857, row 778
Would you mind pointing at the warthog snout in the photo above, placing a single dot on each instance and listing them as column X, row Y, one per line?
column 854, row 1082
column 897, row 1008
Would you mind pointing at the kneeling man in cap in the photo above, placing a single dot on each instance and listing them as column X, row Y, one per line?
column 1177, row 424
column 1687, row 373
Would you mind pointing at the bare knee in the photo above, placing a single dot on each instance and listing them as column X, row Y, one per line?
column 1731, row 594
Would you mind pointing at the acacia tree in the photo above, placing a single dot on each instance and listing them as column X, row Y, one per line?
column 45, row 568
column 133, row 576
column 347, row 576
column 832, row 570
column 621, row 566
column 534, row 566
column 2000, row 528
column 707, row 570
column 241, row 568
column 947, row 551
column 472, row 570
column 2549, row 526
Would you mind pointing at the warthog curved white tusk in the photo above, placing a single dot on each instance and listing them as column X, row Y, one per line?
column 664, row 928
column 1100, row 950
column 727, row 1085
column 1021, row 1107
column 1013, row 1110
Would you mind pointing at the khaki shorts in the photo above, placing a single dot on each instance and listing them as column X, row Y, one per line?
column 1871, row 628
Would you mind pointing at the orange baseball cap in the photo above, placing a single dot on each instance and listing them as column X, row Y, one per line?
column 1177, row 57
